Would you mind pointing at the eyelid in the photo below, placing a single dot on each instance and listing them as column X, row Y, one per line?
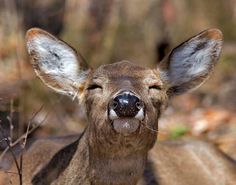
column 157, row 87
column 94, row 86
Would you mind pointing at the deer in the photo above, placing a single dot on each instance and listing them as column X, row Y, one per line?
column 123, row 102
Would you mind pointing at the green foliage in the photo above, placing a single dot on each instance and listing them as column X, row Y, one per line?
column 178, row 130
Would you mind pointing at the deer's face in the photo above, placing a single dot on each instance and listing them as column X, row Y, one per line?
column 124, row 100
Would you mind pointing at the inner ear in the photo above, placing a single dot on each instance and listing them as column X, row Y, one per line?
column 57, row 64
column 189, row 64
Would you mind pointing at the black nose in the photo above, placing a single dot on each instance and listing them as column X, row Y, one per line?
column 126, row 104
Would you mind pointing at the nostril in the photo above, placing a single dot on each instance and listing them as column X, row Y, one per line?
column 139, row 105
column 114, row 104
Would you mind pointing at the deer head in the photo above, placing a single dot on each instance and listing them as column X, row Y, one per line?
column 123, row 101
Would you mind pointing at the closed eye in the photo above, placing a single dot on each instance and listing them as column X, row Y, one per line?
column 94, row 86
column 156, row 87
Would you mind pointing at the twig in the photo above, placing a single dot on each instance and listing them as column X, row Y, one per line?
column 13, row 155
column 26, row 136
column 10, row 118
column 21, row 167
column 28, row 132
column 29, row 124
column 10, row 145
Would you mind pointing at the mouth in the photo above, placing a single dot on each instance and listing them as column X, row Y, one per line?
column 126, row 125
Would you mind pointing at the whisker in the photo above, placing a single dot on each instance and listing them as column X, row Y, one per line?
column 151, row 129
column 157, row 131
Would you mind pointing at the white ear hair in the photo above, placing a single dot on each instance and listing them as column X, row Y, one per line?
column 55, row 62
column 190, row 64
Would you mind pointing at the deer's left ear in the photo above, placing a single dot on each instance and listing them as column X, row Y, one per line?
column 190, row 64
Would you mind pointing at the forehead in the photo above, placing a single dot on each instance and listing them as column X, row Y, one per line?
column 125, row 70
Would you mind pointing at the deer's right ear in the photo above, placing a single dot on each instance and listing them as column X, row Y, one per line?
column 56, row 63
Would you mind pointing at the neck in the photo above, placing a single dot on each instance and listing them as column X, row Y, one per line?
column 114, row 159
column 104, row 165
column 116, row 170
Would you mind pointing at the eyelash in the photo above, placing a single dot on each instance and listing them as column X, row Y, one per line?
column 94, row 86
column 156, row 87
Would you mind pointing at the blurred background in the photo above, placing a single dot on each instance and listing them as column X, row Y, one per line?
column 107, row 31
